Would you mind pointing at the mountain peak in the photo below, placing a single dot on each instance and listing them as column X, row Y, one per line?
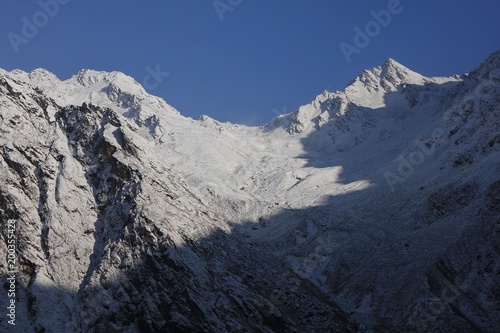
column 391, row 66
column 391, row 62
column 87, row 77
column 42, row 72
column 394, row 65
column 392, row 74
column 368, row 88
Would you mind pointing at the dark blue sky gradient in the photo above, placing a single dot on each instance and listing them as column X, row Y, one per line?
column 264, row 55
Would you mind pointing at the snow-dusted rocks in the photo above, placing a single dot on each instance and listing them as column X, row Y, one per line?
column 372, row 209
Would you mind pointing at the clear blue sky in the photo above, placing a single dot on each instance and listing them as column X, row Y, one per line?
column 263, row 55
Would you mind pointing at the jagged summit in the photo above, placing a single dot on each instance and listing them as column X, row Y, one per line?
column 88, row 77
column 42, row 74
column 396, row 73
column 86, row 80
column 389, row 76
column 38, row 77
column 395, row 65
column 370, row 94
column 107, row 89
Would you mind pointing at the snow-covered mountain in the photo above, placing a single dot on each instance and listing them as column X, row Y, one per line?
column 372, row 209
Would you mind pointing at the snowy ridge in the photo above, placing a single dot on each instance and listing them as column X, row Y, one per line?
column 114, row 90
column 358, row 212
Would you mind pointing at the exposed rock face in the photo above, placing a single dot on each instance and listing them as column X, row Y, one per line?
column 375, row 209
